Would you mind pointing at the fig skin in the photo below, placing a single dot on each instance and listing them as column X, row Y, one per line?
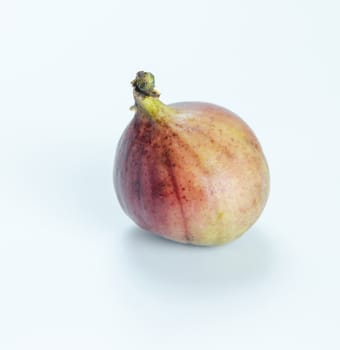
column 190, row 172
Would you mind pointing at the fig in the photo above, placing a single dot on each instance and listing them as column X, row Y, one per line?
column 191, row 172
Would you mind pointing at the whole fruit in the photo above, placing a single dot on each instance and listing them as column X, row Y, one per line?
column 191, row 172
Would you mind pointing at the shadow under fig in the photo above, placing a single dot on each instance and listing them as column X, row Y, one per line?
column 163, row 263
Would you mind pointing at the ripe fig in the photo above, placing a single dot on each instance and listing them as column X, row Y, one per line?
column 191, row 172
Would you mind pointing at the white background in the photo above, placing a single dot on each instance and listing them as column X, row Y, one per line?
column 75, row 272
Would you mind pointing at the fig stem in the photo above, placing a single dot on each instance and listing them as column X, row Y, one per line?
column 147, row 98
column 144, row 83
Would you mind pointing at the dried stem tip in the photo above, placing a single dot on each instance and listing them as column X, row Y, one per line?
column 144, row 83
